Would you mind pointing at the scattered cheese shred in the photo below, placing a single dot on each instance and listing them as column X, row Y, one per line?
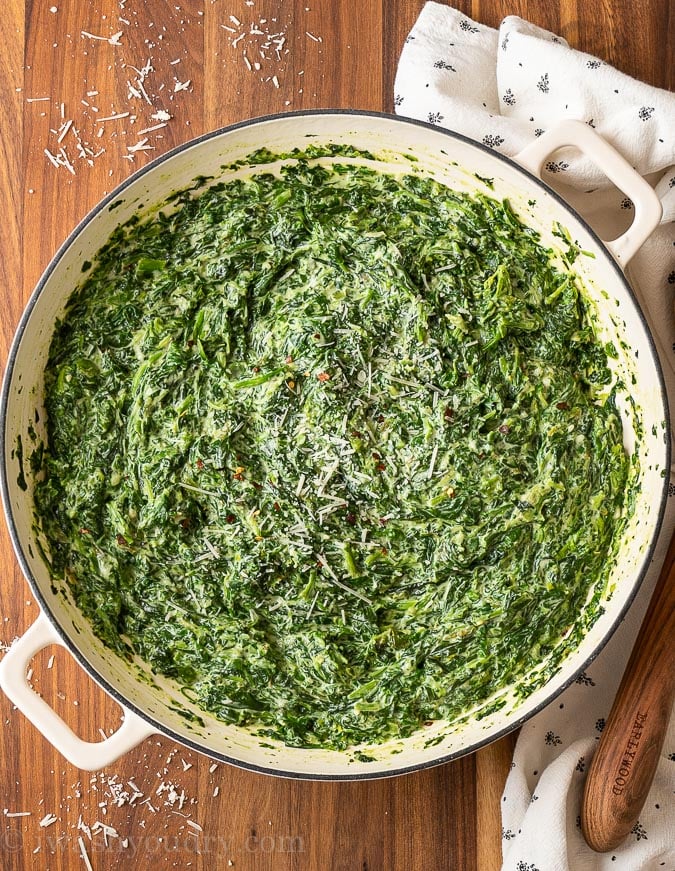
column 113, row 40
column 141, row 145
column 84, row 854
column 152, row 129
column 115, row 117
column 64, row 129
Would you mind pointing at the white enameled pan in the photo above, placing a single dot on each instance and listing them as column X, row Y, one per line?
column 158, row 706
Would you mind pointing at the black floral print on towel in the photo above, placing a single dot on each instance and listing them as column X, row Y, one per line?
column 639, row 832
column 559, row 166
column 543, row 83
column 492, row 141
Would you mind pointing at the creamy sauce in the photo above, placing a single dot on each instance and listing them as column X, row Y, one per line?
column 336, row 450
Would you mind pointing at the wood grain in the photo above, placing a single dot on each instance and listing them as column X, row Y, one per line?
column 11, row 168
column 341, row 54
column 624, row 764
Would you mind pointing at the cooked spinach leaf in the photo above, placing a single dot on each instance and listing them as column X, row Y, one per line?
column 336, row 450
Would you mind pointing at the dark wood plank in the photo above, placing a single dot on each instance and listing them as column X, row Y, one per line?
column 631, row 36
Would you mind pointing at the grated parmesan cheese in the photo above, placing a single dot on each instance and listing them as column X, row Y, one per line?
column 84, row 854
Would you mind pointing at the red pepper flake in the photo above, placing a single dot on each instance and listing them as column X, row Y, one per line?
column 351, row 519
column 380, row 467
column 563, row 406
column 200, row 464
column 323, row 377
column 256, row 485
column 356, row 434
column 383, row 521
column 256, row 369
column 384, row 551
column 380, row 418
column 230, row 518
column 276, row 506
column 504, row 428
column 185, row 523
column 121, row 540
column 449, row 413
column 239, row 473
column 84, row 531
column 317, row 335
column 375, row 455
column 191, row 343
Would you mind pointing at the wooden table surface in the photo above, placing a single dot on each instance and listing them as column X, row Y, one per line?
column 65, row 66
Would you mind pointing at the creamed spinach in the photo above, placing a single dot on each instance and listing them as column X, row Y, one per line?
column 335, row 449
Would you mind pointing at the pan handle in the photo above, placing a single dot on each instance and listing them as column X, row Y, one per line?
column 88, row 755
column 647, row 205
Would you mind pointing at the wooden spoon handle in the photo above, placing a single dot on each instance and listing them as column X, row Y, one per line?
column 623, row 767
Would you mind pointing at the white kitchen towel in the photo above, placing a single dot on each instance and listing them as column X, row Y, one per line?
column 504, row 88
